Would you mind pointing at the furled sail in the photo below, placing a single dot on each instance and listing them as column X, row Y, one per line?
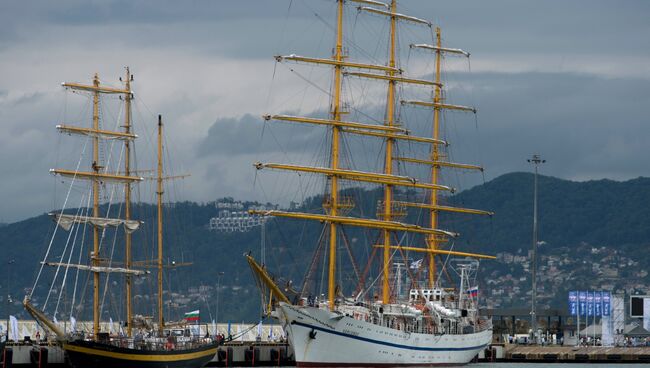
column 97, row 268
column 66, row 221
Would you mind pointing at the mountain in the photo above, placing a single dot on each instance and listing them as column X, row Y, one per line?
column 598, row 212
column 576, row 220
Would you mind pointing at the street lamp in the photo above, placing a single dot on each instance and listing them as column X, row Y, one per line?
column 9, row 301
column 218, row 289
column 536, row 160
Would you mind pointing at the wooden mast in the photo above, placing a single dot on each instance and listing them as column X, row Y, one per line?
column 127, row 202
column 98, row 175
column 336, row 130
column 159, row 192
column 96, row 168
column 388, row 168
column 435, row 157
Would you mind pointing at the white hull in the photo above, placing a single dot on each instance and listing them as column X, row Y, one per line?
column 321, row 338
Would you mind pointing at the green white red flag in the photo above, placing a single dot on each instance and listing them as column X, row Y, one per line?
column 192, row 316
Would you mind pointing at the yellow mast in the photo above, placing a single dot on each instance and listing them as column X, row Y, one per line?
column 435, row 157
column 387, row 131
column 96, row 168
column 388, row 168
column 127, row 201
column 98, row 175
column 159, row 192
column 336, row 130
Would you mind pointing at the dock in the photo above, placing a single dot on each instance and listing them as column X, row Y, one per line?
column 232, row 354
column 566, row 354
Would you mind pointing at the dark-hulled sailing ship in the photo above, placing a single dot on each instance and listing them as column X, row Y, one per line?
column 153, row 345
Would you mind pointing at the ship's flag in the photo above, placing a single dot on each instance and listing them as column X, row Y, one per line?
column 13, row 331
column 416, row 264
column 73, row 323
column 473, row 292
column 192, row 316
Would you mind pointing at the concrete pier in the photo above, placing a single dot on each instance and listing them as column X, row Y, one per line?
column 582, row 354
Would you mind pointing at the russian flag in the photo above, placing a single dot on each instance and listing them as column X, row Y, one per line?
column 473, row 292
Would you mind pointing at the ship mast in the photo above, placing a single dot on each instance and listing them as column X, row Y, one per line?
column 435, row 157
column 388, row 168
column 159, row 193
column 334, row 160
column 127, row 202
column 389, row 132
column 98, row 175
column 96, row 168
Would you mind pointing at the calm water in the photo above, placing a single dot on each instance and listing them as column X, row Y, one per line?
column 553, row 365
column 550, row 365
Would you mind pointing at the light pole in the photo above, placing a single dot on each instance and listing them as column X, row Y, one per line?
column 9, row 301
column 218, row 289
column 536, row 161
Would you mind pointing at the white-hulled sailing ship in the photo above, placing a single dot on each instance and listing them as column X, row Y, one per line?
column 142, row 343
column 431, row 324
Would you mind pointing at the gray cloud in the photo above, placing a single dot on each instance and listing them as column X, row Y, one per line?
column 566, row 79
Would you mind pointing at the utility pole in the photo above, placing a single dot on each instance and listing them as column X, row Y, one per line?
column 9, row 301
column 218, row 289
column 536, row 160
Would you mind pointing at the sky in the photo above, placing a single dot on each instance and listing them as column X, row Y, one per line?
column 569, row 80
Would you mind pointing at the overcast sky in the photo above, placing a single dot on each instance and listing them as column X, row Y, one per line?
column 567, row 79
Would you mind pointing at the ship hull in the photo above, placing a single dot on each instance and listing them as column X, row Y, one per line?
column 320, row 338
column 84, row 354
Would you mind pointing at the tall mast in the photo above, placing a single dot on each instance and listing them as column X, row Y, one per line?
column 96, row 175
column 388, row 168
column 435, row 157
column 387, row 131
column 159, row 192
column 96, row 168
column 127, row 201
column 336, row 130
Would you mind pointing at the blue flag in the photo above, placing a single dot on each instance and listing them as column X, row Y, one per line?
column 573, row 303
column 598, row 303
column 582, row 298
column 590, row 303
column 607, row 300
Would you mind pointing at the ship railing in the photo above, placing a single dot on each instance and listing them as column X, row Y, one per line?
column 149, row 345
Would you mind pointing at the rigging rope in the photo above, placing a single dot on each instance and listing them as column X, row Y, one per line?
column 58, row 267
column 65, row 274
column 65, row 202
column 83, row 239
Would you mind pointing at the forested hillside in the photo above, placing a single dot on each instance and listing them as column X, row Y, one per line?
column 571, row 215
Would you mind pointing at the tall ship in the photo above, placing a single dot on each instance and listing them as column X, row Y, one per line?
column 139, row 341
column 411, row 315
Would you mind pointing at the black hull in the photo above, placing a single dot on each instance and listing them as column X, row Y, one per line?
column 86, row 354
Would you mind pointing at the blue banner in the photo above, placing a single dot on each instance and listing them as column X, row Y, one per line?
column 598, row 303
column 573, row 303
column 607, row 300
column 582, row 299
column 590, row 303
